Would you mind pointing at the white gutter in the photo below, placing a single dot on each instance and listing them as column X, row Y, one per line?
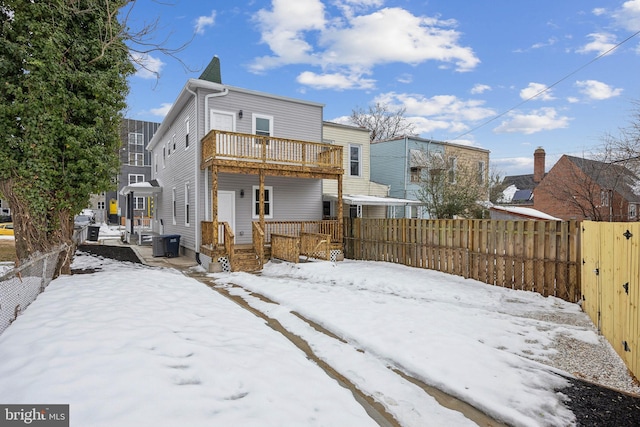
column 224, row 92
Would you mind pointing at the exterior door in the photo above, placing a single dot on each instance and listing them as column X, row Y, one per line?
column 226, row 212
column 222, row 120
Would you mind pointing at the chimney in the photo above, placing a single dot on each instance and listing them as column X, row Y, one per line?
column 538, row 165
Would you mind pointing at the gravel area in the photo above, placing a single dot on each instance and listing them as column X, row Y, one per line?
column 602, row 393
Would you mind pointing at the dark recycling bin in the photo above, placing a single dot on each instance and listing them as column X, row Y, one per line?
column 171, row 245
column 93, row 233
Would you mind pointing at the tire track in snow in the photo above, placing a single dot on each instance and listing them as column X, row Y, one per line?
column 388, row 407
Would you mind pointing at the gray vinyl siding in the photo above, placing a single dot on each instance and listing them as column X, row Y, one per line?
column 388, row 166
column 179, row 169
column 294, row 199
column 293, row 120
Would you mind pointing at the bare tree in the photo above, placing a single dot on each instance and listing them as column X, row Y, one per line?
column 450, row 190
column 382, row 122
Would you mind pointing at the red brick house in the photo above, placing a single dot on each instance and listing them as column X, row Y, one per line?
column 577, row 188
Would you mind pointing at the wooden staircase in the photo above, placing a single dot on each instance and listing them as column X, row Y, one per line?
column 245, row 259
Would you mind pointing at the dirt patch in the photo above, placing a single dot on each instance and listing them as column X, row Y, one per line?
column 119, row 253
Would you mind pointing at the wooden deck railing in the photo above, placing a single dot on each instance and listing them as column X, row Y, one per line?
column 315, row 245
column 294, row 228
column 221, row 145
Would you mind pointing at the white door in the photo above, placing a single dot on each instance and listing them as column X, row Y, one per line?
column 226, row 211
column 222, row 120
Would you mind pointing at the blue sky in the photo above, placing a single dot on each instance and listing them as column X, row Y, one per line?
column 466, row 71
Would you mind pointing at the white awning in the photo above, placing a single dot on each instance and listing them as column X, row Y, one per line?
column 359, row 199
column 142, row 189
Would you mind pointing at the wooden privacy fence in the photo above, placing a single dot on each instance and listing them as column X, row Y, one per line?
column 611, row 285
column 539, row 256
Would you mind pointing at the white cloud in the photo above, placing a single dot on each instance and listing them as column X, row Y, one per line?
column 405, row 78
column 334, row 81
column 537, row 121
column 147, row 66
column 441, row 112
column 600, row 43
column 480, row 88
column 549, row 42
column 597, row 90
column 205, row 21
column 598, row 11
column 301, row 33
column 163, row 110
column 628, row 15
column 538, row 91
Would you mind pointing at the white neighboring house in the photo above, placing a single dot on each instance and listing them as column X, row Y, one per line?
column 361, row 197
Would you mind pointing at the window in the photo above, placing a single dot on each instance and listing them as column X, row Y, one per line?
column 168, row 148
column 354, row 160
column 173, row 204
column 101, row 205
column 186, row 131
column 416, row 174
column 632, row 210
column 186, row 204
column 604, row 198
column 268, row 202
column 138, row 202
column 164, row 157
column 481, row 172
column 136, row 159
column 136, row 149
column 173, row 140
column 453, row 164
column 262, row 126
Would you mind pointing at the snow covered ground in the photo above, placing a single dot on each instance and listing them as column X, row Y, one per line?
column 134, row 345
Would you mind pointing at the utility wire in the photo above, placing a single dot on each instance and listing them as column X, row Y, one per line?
column 546, row 88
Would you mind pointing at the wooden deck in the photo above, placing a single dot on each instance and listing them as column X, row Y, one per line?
column 248, row 153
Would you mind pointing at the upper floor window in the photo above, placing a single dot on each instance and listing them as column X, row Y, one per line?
column 453, row 165
column 416, row 174
column 355, row 160
column 481, row 172
column 604, row 198
column 262, row 125
column 136, row 149
column 632, row 210
column 186, row 133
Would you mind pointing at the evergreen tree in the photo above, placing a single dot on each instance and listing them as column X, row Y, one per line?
column 63, row 82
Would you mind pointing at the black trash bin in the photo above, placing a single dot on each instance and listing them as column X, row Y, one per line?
column 94, row 231
column 171, row 245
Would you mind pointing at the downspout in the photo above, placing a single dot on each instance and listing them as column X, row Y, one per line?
column 196, row 163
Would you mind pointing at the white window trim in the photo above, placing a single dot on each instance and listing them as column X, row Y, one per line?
column 138, row 178
column 255, row 116
column 173, row 204
column 359, row 147
column 187, row 127
column 187, row 205
column 256, row 214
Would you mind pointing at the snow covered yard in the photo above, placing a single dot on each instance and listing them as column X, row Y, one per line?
column 133, row 345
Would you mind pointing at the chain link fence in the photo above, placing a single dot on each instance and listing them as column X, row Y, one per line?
column 20, row 286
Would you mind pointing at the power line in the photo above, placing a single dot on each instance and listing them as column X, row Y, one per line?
column 547, row 88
